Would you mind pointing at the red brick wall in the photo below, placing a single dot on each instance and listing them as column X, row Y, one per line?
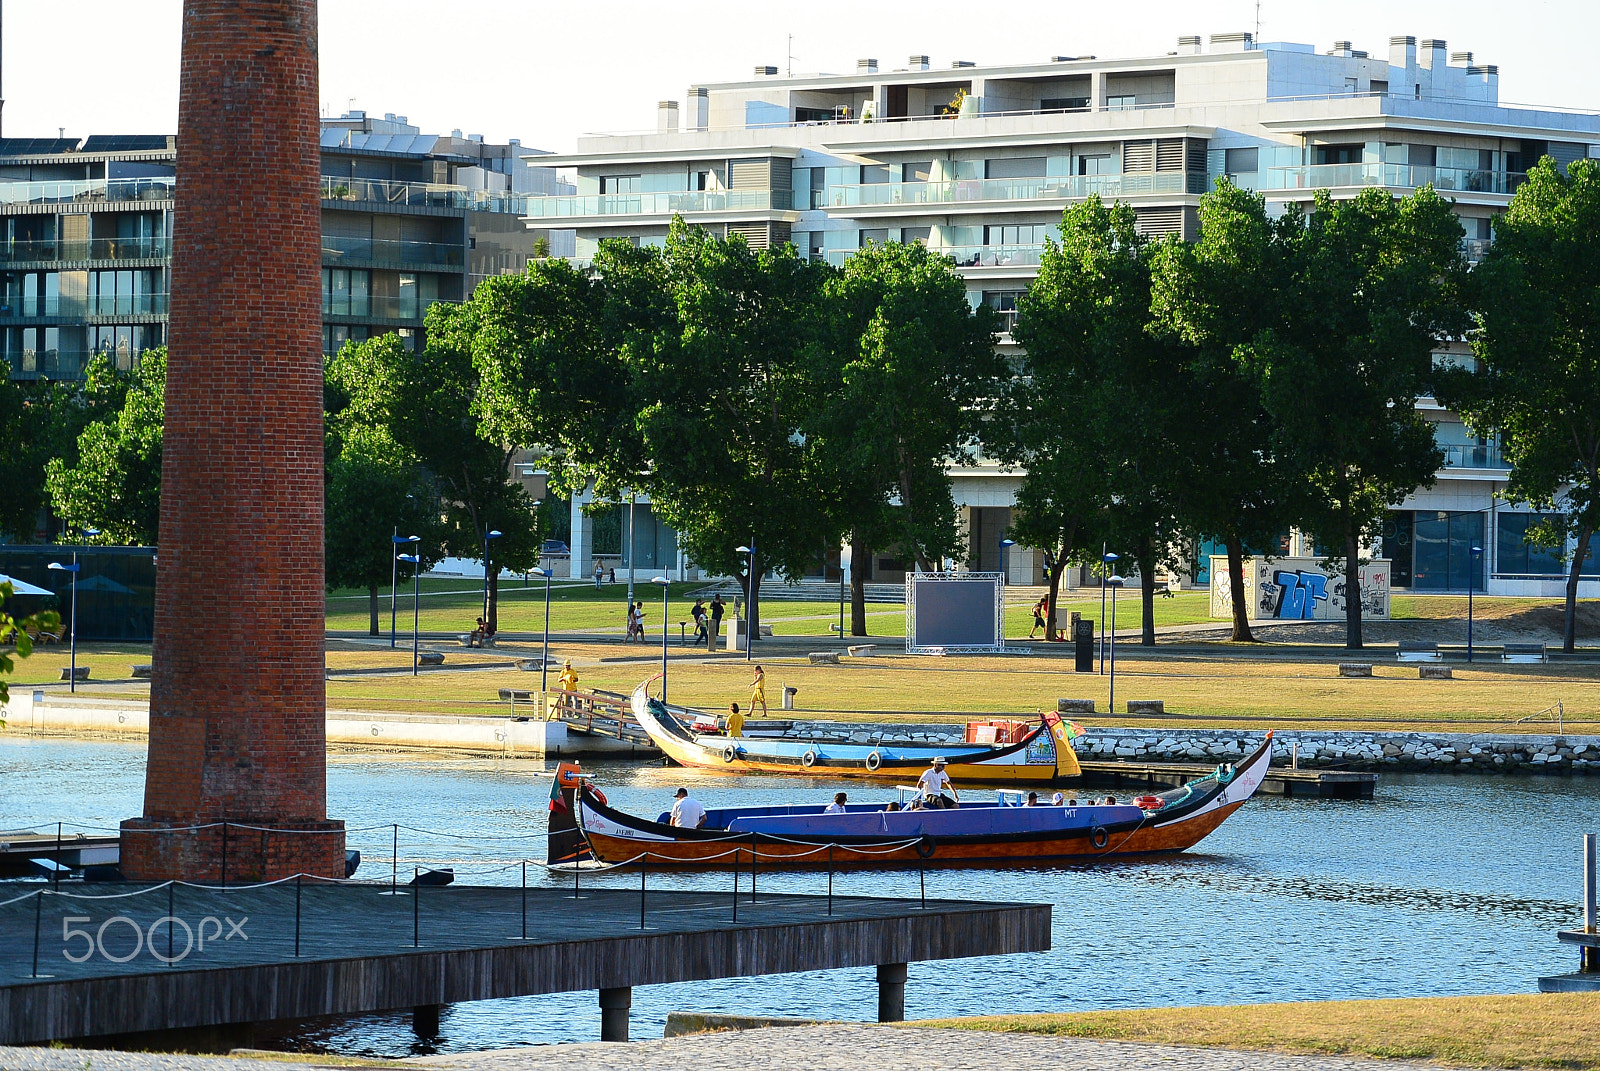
column 237, row 701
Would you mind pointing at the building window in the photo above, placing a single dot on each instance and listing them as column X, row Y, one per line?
column 1121, row 103
column 334, row 336
column 1339, row 154
column 1242, row 161
column 1016, row 234
column 123, row 344
column 1513, row 556
column 417, row 292
column 1064, row 104
column 1442, row 551
column 1096, row 164
column 874, row 236
column 1004, row 303
column 619, row 184
column 346, row 292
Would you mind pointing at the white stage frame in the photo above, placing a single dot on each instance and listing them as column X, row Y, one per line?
column 914, row 644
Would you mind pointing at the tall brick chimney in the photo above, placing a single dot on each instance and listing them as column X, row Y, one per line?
column 237, row 701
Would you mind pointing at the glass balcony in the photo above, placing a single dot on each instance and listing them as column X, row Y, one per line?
column 1473, row 456
column 49, row 364
column 50, row 193
column 57, row 306
column 661, row 204
column 1475, row 249
column 377, row 306
column 1400, row 176
column 1066, row 187
column 388, row 251
column 425, row 194
column 967, row 256
column 112, row 249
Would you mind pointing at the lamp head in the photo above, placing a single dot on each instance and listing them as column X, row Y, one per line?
column 1477, row 550
column 1109, row 557
column 91, row 532
column 741, row 550
column 546, row 573
column 1115, row 581
column 663, row 581
column 405, row 539
column 412, row 558
column 493, row 534
column 1008, row 543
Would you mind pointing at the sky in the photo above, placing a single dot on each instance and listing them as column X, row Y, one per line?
column 549, row 72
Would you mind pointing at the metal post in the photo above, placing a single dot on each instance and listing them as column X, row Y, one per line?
column 394, row 864
column 736, row 885
column 544, row 659
column 1104, row 572
column 394, row 581
column 38, row 910
column 830, row 879
column 632, row 500
column 524, row 899
column 644, row 867
column 922, row 884
column 755, row 861
column 1111, row 701
column 224, row 854
column 614, row 1005
column 416, row 913
column 171, row 915
column 416, row 611
column 296, row 918
column 891, row 992
column 1589, row 957
column 73, row 684
column 1472, row 569
column 576, row 868
column 56, row 873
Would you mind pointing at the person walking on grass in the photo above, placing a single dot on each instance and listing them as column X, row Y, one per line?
column 1039, row 609
column 758, row 692
column 718, row 608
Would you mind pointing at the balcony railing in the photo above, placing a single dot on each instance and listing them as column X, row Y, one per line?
column 377, row 306
column 661, row 204
column 112, row 249
column 49, row 364
column 1475, row 249
column 1473, row 457
column 422, row 194
column 968, row 256
column 1401, row 176
column 1065, row 187
column 153, row 304
column 49, row 193
column 390, row 251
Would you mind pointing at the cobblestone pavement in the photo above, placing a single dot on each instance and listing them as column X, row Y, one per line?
column 828, row 1047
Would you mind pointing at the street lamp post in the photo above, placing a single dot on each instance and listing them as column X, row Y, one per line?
column 749, row 590
column 492, row 533
column 1005, row 545
column 1106, row 561
column 1114, row 582
column 544, row 659
column 1472, row 580
column 663, row 582
column 397, row 541
column 416, row 612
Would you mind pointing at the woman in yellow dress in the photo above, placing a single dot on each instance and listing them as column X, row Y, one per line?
column 758, row 692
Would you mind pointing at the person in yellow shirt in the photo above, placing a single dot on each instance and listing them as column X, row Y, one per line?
column 568, row 681
column 758, row 692
column 735, row 720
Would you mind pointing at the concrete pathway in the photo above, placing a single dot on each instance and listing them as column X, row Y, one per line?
column 827, row 1047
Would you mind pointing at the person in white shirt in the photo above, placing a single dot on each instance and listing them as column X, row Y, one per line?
column 687, row 812
column 837, row 806
column 934, row 783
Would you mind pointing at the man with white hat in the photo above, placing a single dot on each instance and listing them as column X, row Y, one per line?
column 933, row 784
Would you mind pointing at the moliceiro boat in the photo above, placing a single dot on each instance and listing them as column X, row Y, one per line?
column 1041, row 756
column 996, row 833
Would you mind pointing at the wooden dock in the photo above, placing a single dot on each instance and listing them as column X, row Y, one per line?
column 1280, row 780
column 286, row 952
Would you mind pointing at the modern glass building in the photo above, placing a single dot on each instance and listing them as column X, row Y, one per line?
column 979, row 161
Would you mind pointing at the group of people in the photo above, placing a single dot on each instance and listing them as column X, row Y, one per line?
column 1062, row 800
column 635, row 622
column 708, row 621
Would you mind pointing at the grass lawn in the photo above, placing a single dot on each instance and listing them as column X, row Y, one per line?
column 1555, row 1030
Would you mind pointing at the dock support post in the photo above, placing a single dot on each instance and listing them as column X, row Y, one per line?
column 425, row 1021
column 891, row 992
column 1590, row 961
column 614, row 1005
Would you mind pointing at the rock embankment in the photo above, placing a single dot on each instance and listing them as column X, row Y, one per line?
column 1485, row 753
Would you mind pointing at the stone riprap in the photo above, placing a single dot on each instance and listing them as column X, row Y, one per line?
column 1352, row 750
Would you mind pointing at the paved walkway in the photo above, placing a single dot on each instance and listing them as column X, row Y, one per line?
column 829, row 1047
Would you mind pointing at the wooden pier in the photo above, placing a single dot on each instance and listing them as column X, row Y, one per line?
column 1279, row 781
column 72, row 967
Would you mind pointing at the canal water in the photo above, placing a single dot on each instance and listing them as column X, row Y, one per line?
column 1440, row 885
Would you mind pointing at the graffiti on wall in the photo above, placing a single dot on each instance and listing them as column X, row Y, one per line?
column 1299, row 589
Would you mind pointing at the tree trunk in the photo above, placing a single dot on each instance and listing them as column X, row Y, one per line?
column 1146, row 556
column 1352, row 587
column 494, row 600
column 1569, row 628
column 858, row 586
column 1057, row 568
column 1241, row 612
column 372, row 609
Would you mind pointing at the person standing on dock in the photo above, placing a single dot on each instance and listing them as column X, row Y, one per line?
column 934, row 782
column 758, row 692
column 687, row 812
column 568, row 681
column 735, row 720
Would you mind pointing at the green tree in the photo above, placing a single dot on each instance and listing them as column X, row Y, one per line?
column 1100, row 410
column 1222, row 295
column 115, row 484
column 914, row 370
column 16, row 634
column 1537, row 343
column 1372, row 287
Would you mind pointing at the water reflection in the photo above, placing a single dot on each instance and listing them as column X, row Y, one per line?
column 1441, row 885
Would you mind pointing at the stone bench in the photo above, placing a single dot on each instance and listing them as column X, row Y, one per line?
column 141, row 670
column 862, row 650
column 819, row 658
column 68, row 673
column 1146, row 706
column 1417, row 651
column 1075, row 706
column 1434, row 673
column 1355, row 669
column 431, row 658
column 1519, row 652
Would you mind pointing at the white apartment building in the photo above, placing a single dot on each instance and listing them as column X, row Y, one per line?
column 979, row 162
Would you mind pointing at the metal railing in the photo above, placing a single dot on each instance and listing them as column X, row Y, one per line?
column 49, row 364
column 965, row 256
column 1473, row 456
column 378, row 307
column 662, row 204
column 45, row 193
column 337, row 248
column 151, row 304
column 422, row 194
column 113, row 249
column 1065, row 187
column 1399, row 176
